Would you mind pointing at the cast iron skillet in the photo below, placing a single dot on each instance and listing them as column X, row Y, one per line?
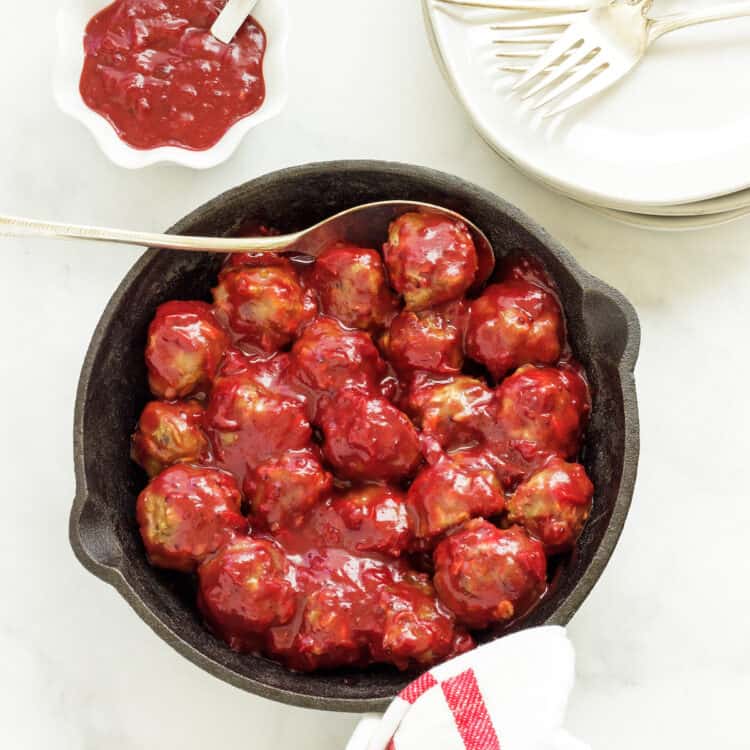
column 604, row 332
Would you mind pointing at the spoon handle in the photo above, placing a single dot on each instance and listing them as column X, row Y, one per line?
column 11, row 226
column 231, row 18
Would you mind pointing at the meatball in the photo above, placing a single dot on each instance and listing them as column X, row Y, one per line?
column 458, row 487
column 513, row 324
column 255, row 259
column 451, row 412
column 169, row 433
column 247, row 424
column 327, row 357
column 431, row 259
column 186, row 513
column 368, row 438
column 246, row 588
column 352, row 287
column 184, row 349
column 488, row 575
column 262, row 306
column 417, row 628
column 553, row 505
column 327, row 636
column 524, row 268
column 376, row 520
column 430, row 340
column 284, row 488
column 544, row 409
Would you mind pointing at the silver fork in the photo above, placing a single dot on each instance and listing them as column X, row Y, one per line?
column 601, row 46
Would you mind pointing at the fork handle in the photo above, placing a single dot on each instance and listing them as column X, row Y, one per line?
column 542, row 6
column 667, row 24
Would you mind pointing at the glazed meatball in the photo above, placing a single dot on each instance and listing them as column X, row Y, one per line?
column 544, row 409
column 327, row 357
column 430, row 341
column 169, row 433
column 327, row 636
column 184, row 349
column 352, row 287
column 255, row 259
column 417, row 628
column 524, row 268
column 186, row 513
column 513, row 324
column 451, row 412
column 488, row 575
column 431, row 259
column 367, row 438
column 248, row 425
column 553, row 505
column 284, row 488
column 376, row 520
column 458, row 487
column 263, row 306
column 246, row 588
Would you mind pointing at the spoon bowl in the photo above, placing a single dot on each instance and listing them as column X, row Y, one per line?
column 365, row 225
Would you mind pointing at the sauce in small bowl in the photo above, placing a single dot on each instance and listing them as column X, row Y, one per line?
column 156, row 72
column 153, row 85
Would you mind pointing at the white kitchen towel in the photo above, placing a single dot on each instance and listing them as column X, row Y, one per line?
column 510, row 694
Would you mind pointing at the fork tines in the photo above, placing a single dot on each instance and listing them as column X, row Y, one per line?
column 577, row 62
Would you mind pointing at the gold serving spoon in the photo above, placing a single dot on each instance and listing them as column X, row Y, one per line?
column 364, row 225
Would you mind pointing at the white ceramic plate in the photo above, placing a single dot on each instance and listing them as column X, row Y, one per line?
column 72, row 19
column 672, row 223
column 732, row 202
column 676, row 131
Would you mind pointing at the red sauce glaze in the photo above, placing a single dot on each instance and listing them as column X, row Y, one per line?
column 452, row 412
column 262, row 306
column 427, row 341
column 247, row 588
column 375, row 519
column 554, row 505
column 186, row 513
column 328, row 358
column 320, row 607
column 185, row 346
column 169, row 433
column 351, row 285
column 368, row 475
column 512, row 324
column 155, row 71
column 543, row 410
column 363, row 519
column 430, row 259
column 366, row 437
column 248, row 424
column 458, row 487
column 284, row 488
column 487, row 575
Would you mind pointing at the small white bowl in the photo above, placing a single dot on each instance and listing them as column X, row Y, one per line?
column 72, row 19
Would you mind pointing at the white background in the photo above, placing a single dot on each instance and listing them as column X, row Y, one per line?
column 662, row 643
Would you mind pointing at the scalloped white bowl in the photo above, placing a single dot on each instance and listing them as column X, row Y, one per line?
column 72, row 19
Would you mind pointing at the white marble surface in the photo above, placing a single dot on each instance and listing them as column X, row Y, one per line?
column 663, row 654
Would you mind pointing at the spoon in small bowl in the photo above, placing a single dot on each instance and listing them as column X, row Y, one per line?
column 364, row 225
column 232, row 16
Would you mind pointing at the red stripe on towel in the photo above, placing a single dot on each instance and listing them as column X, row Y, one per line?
column 470, row 712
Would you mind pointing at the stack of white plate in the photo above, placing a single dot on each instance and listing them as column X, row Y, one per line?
column 666, row 148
